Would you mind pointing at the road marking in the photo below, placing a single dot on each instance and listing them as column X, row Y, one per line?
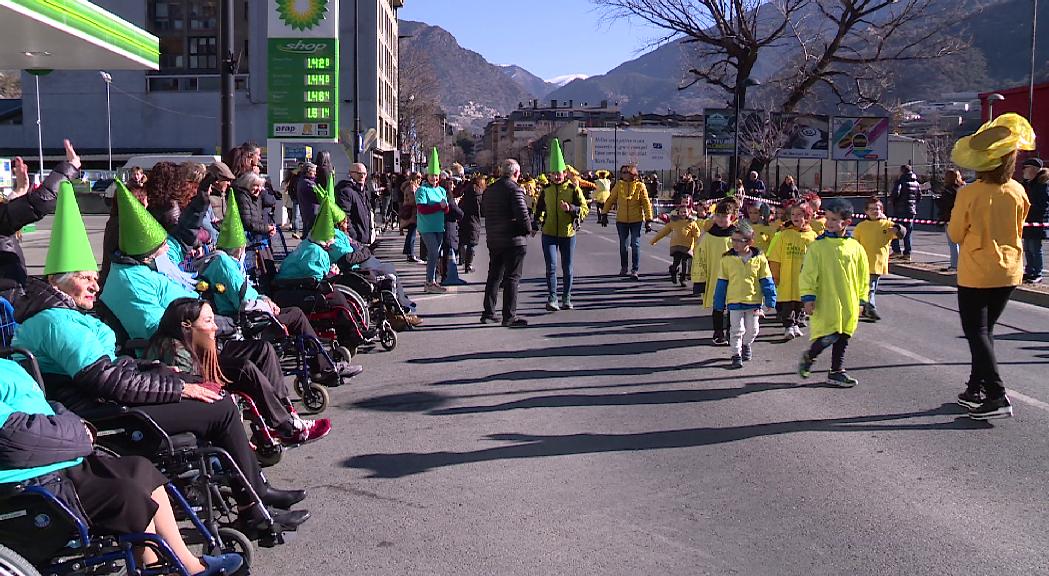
column 616, row 242
column 919, row 358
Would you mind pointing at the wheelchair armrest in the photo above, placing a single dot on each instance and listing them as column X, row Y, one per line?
column 127, row 432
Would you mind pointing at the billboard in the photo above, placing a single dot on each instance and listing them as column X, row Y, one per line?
column 649, row 149
column 719, row 132
column 862, row 138
column 808, row 136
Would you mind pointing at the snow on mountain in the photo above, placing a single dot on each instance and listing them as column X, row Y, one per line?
column 566, row 78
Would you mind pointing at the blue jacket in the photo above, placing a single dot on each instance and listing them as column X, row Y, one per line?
column 309, row 260
column 430, row 196
column 139, row 295
column 223, row 269
column 341, row 247
column 36, row 438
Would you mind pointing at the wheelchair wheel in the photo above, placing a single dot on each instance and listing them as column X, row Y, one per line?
column 343, row 353
column 362, row 304
column 12, row 563
column 315, row 399
column 235, row 541
column 269, row 455
column 387, row 335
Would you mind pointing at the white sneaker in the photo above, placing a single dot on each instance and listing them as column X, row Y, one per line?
column 797, row 332
column 788, row 333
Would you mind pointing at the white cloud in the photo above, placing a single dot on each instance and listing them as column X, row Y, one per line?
column 566, row 78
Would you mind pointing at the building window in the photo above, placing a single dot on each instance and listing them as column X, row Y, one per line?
column 168, row 16
column 203, row 15
column 188, row 34
column 203, row 53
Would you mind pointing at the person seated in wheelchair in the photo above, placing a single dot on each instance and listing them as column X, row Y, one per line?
column 77, row 354
column 347, row 254
column 44, row 444
column 186, row 341
column 224, row 281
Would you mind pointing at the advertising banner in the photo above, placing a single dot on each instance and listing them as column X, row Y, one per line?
column 859, row 138
column 650, row 150
column 719, row 132
column 303, row 70
column 808, row 136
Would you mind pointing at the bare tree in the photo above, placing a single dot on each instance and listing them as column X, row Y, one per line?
column 10, row 83
column 762, row 135
column 420, row 116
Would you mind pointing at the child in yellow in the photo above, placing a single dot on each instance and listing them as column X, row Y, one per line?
column 706, row 261
column 875, row 234
column 758, row 218
column 817, row 222
column 786, row 254
column 684, row 231
column 834, row 284
column 743, row 283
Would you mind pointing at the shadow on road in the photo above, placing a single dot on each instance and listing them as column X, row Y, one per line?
column 542, row 446
column 592, row 350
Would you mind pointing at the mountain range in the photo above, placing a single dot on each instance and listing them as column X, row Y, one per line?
column 472, row 90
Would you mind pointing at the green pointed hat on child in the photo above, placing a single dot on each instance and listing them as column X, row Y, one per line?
column 324, row 228
column 69, row 250
column 232, row 236
column 434, row 167
column 140, row 233
column 557, row 159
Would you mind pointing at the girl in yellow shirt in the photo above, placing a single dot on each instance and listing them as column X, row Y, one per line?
column 758, row 218
column 786, row 255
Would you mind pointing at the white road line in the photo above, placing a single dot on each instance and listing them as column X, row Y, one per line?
column 616, row 242
column 919, row 358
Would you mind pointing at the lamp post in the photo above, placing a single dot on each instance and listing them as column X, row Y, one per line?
column 735, row 154
column 991, row 99
column 615, row 144
column 109, row 118
column 1030, row 85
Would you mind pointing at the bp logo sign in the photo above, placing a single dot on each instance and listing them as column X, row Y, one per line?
column 302, row 14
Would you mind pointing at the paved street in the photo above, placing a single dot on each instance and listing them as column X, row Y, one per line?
column 613, row 440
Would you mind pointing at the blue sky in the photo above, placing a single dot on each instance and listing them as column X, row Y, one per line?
column 548, row 38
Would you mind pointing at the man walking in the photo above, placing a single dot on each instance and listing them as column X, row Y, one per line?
column 905, row 197
column 352, row 197
column 506, row 225
column 1036, row 184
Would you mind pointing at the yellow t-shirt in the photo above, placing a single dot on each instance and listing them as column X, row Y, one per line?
column 818, row 225
column 788, row 249
column 763, row 234
column 875, row 237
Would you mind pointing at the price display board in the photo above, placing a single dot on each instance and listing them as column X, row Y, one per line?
column 304, row 88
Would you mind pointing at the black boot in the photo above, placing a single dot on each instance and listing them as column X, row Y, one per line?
column 673, row 275
column 284, row 499
column 468, row 260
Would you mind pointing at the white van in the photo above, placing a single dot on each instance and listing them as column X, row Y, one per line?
column 147, row 162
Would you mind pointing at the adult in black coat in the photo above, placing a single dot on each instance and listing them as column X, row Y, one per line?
column 450, row 247
column 352, row 197
column 306, row 197
column 905, row 197
column 470, row 225
column 787, row 190
column 1036, row 183
column 28, row 206
column 507, row 227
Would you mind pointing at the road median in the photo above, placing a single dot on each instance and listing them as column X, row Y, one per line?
column 1037, row 294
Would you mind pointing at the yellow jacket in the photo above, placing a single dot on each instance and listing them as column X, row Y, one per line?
column 631, row 202
column 835, row 276
column 818, row 225
column 548, row 212
column 685, row 233
column 788, row 250
column 987, row 223
column 706, row 260
column 875, row 237
column 763, row 234
column 743, row 285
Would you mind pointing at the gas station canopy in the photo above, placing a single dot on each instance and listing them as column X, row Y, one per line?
column 71, row 35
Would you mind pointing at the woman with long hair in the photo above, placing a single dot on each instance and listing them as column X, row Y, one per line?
column 164, row 190
column 185, row 340
column 987, row 223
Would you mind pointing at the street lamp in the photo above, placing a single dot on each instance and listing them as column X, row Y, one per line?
column 109, row 119
column 991, row 99
column 615, row 143
column 1030, row 86
column 749, row 82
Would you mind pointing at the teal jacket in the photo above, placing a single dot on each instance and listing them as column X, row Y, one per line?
column 176, row 252
column 139, row 295
column 428, row 198
column 65, row 341
column 223, row 269
column 309, row 260
column 35, row 439
column 341, row 247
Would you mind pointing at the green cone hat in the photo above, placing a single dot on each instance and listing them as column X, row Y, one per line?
column 140, row 233
column 434, row 167
column 232, row 236
column 69, row 250
column 327, row 192
column 324, row 227
column 557, row 160
column 337, row 214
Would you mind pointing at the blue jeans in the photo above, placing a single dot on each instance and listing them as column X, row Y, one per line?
column 551, row 246
column 873, row 291
column 409, row 241
column 433, row 241
column 1033, row 257
column 952, row 247
column 633, row 232
column 906, row 237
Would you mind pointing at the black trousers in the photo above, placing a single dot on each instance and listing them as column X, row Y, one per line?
column 254, row 368
column 720, row 320
column 838, row 343
column 217, row 423
column 116, row 492
column 980, row 309
column 504, row 270
column 295, row 320
column 789, row 312
column 682, row 263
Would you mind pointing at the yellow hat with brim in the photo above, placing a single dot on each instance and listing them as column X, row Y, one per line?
column 983, row 151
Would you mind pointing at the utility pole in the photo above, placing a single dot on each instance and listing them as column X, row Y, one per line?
column 356, row 84
column 1034, row 39
column 227, row 68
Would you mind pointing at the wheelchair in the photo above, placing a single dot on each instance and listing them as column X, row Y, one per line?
column 381, row 303
column 41, row 533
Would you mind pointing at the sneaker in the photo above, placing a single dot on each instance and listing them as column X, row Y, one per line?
column 805, row 365
column 431, row 288
column 566, row 304
column 971, row 398
column 803, row 321
column 306, row 431
column 634, row 276
column 737, row 363
column 552, row 306
column 486, row 318
column 622, row 272
column 218, row 565
column 841, row 379
column 992, row 408
column 797, row 332
column 416, row 260
column 1035, row 280
column 872, row 313
column 413, row 320
column 515, row 323
column 720, row 340
column 789, row 333
column 746, row 353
